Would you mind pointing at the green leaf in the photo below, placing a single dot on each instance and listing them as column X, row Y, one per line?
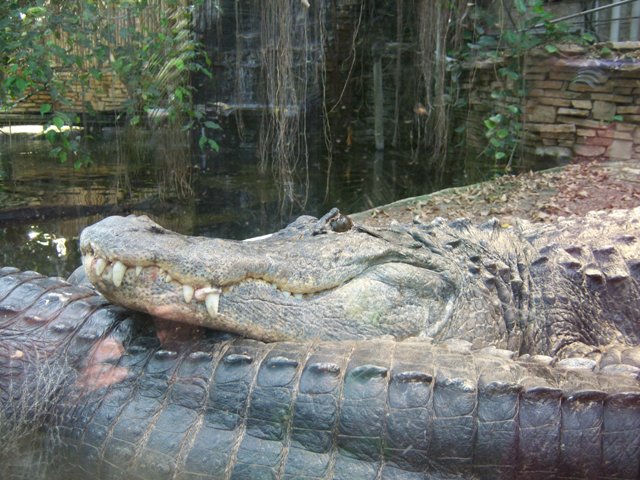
column 212, row 125
column 45, row 108
column 551, row 48
column 511, row 37
column 490, row 125
column 35, row 11
column 21, row 85
column 487, row 41
column 618, row 118
column 514, row 109
column 508, row 73
column 520, row 6
column 496, row 143
column 502, row 133
column 500, row 155
column 58, row 122
column 213, row 145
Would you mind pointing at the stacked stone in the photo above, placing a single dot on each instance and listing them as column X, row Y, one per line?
column 576, row 105
column 104, row 94
column 583, row 107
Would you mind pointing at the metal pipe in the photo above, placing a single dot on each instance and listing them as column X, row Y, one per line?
column 378, row 96
column 584, row 12
column 614, row 25
column 634, row 33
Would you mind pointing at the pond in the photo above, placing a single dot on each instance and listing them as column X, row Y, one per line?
column 44, row 204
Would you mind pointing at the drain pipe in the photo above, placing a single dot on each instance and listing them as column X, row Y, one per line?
column 585, row 12
column 378, row 96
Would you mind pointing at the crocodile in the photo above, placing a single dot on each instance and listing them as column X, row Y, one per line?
column 526, row 366
column 566, row 289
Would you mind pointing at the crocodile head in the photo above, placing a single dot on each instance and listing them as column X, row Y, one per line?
column 303, row 282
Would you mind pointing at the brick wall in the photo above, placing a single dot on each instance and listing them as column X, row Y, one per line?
column 103, row 95
column 578, row 103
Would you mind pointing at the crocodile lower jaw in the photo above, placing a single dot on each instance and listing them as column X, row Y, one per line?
column 113, row 273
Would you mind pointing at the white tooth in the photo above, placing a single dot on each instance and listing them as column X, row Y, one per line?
column 187, row 292
column 138, row 270
column 101, row 264
column 298, row 296
column 168, row 278
column 285, row 293
column 87, row 260
column 201, row 293
column 212, row 301
column 119, row 269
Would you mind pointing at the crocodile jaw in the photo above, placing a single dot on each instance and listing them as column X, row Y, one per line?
column 367, row 306
column 151, row 289
column 347, row 285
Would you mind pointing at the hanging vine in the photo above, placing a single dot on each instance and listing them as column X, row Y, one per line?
column 286, row 55
column 440, row 28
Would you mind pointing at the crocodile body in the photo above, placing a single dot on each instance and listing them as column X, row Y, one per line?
column 106, row 393
column 428, row 351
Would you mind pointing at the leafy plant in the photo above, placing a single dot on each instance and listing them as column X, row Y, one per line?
column 529, row 27
column 62, row 47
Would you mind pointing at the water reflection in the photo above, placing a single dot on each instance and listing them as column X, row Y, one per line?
column 45, row 204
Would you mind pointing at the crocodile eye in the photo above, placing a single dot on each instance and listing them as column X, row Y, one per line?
column 157, row 230
column 341, row 223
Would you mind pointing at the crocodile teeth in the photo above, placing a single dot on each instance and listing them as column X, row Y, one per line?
column 202, row 293
column 187, row 292
column 168, row 278
column 101, row 264
column 87, row 260
column 119, row 269
column 298, row 296
column 138, row 270
column 212, row 301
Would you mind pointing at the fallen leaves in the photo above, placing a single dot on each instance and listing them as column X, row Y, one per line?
column 539, row 197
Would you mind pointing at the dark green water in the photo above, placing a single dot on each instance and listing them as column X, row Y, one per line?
column 46, row 204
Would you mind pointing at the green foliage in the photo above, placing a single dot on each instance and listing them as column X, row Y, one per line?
column 530, row 27
column 59, row 47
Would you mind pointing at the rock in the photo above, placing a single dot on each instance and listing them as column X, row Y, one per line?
column 563, row 153
column 603, row 110
column 620, row 149
column 541, row 114
column 589, row 150
column 583, row 104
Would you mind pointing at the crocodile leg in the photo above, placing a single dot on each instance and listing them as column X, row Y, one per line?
column 129, row 398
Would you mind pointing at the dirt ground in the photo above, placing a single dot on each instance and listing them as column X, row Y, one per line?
column 540, row 197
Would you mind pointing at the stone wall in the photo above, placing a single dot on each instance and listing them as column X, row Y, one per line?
column 100, row 95
column 577, row 103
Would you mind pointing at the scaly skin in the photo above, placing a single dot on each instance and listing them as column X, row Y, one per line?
column 99, row 392
column 569, row 289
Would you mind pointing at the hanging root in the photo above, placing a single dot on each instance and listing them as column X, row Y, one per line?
column 289, row 43
column 439, row 29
